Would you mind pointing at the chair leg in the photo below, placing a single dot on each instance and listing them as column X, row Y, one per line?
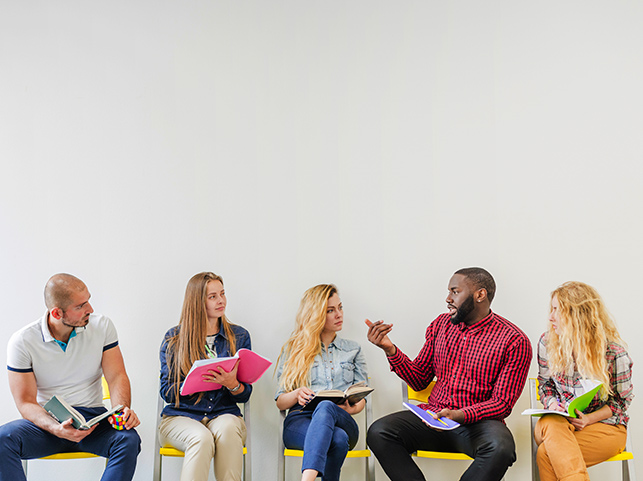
column 247, row 466
column 535, row 476
column 281, row 464
column 158, row 466
column 370, row 468
column 628, row 470
column 281, row 457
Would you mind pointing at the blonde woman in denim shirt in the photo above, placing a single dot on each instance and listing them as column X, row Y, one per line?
column 315, row 358
column 207, row 426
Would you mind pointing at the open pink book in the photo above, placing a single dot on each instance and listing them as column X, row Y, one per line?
column 251, row 367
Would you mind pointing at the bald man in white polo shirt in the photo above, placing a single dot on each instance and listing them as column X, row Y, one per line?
column 65, row 353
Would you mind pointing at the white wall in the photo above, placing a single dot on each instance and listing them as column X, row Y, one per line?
column 377, row 145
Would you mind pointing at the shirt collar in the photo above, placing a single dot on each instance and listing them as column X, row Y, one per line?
column 63, row 345
column 221, row 331
column 481, row 324
column 46, row 333
column 337, row 343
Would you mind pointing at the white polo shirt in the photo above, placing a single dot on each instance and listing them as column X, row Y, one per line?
column 74, row 373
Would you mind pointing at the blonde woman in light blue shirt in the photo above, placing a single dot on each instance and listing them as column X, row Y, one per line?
column 313, row 359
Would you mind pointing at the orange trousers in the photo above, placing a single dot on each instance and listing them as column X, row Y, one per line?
column 564, row 454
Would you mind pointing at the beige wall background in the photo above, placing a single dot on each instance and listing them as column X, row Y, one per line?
column 377, row 145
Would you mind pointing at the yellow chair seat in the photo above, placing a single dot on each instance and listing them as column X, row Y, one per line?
column 170, row 451
column 357, row 453
column 440, row 455
column 624, row 456
column 72, row 455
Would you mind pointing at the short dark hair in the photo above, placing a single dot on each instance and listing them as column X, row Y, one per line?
column 481, row 279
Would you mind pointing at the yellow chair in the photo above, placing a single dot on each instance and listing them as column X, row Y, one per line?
column 169, row 451
column 75, row 454
column 354, row 453
column 626, row 457
column 408, row 394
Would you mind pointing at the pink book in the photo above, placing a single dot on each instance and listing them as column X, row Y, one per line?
column 251, row 367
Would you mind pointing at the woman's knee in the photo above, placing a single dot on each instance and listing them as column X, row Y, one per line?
column 550, row 423
column 542, row 458
column 228, row 428
column 340, row 440
column 201, row 441
column 326, row 408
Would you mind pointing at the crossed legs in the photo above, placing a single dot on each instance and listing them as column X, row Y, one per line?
column 565, row 454
column 326, row 436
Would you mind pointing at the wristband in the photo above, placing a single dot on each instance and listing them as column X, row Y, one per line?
column 236, row 388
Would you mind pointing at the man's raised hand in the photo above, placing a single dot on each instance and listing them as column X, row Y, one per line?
column 378, row 335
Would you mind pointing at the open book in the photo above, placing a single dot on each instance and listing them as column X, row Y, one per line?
column 61, row 411
column 444, row 424
column 581, row 402
column 251, row 367
column 353, row 395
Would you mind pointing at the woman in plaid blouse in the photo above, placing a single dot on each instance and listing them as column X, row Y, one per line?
column 582, row 343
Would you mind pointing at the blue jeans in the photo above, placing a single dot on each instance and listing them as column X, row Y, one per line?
column 325, row 435
column 489, row 442
column 22, row 439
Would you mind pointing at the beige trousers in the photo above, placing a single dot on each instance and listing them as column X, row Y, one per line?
column 564, row 454
column 220, row 439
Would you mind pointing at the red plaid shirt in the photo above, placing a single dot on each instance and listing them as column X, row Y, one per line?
column 480, row 369
column 561, row 386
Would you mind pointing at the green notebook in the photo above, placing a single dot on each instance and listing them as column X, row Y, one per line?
column 581, row 402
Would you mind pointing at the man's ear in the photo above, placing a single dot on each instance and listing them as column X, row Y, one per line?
column 480, row 295
column 56, row 313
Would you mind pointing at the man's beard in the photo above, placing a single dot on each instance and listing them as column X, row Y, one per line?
column 463, row 311
column 81, row 323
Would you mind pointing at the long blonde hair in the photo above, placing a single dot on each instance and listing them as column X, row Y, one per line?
column 580, row 341
column 305, row 341
column 188, row 343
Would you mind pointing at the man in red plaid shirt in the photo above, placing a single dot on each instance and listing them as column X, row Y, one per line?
column 479, row 361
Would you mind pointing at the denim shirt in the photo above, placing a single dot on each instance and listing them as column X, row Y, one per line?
column 338, row 367
column 213, row 403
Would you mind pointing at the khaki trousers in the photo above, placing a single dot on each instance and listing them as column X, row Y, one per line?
column 220, row 439
column 564, row 454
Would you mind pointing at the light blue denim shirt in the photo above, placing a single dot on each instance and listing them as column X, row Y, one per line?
column 338, row 367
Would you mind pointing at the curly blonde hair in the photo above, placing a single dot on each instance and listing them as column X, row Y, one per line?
column 581, row 338
column 305, row 341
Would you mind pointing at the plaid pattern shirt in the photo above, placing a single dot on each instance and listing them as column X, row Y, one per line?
column 561, row 387
column 480, row 369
